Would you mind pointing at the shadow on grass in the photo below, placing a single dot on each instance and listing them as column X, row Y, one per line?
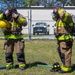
column 35, row 64
column 73, row 67
column 29, row 65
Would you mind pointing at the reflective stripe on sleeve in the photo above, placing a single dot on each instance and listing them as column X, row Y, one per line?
column 60, row 24
column 21, row 20
column 1, row 16
column 66, row 16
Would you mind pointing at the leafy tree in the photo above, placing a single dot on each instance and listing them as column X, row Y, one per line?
column 31, row 2
column 62, row 2
column 7, row 3
column 43, row 2
column 51, row 3
column 25, row 3
column 72, row 2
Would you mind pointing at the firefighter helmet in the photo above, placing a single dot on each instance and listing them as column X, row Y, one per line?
column 4, row 24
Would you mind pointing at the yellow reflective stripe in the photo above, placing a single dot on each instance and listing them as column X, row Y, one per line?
column 13, row 36
column 22, row 65
column 63, row 24
column 9, row 65
column 66, row 16
column 21, row 20
column 64, row 37
column 14, row 24
column 71, row 24
column 60, row 24
column 60, row 11
column 66, row 68
column 1, row 16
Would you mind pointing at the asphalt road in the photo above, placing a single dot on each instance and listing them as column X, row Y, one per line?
column 41, row 37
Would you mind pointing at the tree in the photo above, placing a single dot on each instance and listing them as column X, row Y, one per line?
column 27, row 3
column 72, row 2
column 7, row 3
column 51, row 3
column 31, row 2
column 62, row 2
column 43, row 2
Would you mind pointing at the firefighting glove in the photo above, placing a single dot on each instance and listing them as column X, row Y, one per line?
column 55, row 15
column 6, row 12
column 55, row 67
column 7, row 15
column 15, row 16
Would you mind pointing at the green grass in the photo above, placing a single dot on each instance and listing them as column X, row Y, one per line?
column 36, row 51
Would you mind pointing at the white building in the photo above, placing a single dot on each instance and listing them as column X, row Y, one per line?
column 37, row 14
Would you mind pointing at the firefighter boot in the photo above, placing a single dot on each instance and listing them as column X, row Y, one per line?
column 9, row 61
column 22, row 66
column 21, row 60
column 65, row 69
column 9, row 66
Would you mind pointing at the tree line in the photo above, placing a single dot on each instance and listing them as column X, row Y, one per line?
column 28, row 3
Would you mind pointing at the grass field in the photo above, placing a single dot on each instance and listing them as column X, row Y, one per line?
column 36, row 52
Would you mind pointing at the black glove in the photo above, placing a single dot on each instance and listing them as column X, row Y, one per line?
column 7, row 15
column 15, row 16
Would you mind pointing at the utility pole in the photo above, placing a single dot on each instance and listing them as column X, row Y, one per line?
column 29, row 23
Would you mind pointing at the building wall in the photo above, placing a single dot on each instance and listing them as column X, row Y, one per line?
column 38, row 15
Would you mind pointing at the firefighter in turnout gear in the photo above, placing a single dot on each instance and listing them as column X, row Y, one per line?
column 64, row 37
column 13, row 36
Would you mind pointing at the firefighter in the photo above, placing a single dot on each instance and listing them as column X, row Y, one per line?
column 13, row 37
column 64, row 37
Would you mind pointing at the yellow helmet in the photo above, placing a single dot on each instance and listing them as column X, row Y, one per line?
column 4, row 24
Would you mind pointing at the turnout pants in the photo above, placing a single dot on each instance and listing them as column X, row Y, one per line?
column 14, row 44
column 65, row 51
